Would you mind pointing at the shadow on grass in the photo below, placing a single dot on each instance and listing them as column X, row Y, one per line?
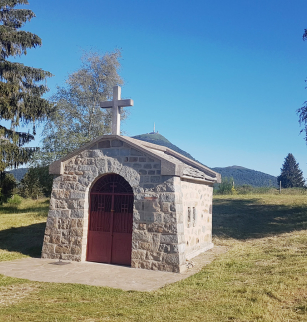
column 243, row 219
column 27, row 240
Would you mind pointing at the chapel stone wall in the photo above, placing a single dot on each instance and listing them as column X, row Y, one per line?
column 158, row 236
column 197, row 210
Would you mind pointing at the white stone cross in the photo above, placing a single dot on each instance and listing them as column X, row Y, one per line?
column 116, row 104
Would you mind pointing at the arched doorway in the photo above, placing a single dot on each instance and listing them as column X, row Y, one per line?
column 110, row 221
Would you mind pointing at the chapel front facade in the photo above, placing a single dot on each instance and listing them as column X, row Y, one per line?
column 124, row 201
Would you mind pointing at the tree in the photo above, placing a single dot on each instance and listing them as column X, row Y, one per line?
column 302, row 112
column 36, row 183
column 78, row 118
column 20, row 86
column 226, row 187
column 291, row 175
column 7, row 185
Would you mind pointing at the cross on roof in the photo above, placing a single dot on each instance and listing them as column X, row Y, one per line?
column 116, row 105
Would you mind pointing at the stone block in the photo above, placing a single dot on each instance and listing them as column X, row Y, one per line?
column 124, row 152
column 69, row 178
column 48, row 248
column 165, row 248
column 138, row 254
column 104, row 144
column 142, row 159
column 147, row 166
column 136, row 152
column 168, row 239
column 142, row 172
column 165, row 207
column 172, row 259
column 116, row 143
column 151, row 205
column 46, row 239
column 76, row 204
column 77, row 195
column 167, row 197
column 135, row 263
column 101, row 165
column 145, row 246
column 75, row 250
column 78, row 232
column 155, row 179
column 155, row 227
column 137, row 166
column 155, row 241
column 62, row 249
column 55, row 239
column 148, row 186
column 141, row 235
column 151, row 172
column 145, row 264
column 156, row 256
column 63, row 223
column 54, row 213
column 77, row 213
column 65, row 213
column 144, row 179
column 76, row 241
column 90, row 161
column 112, row 152
column 157, row 166
column 133, row 159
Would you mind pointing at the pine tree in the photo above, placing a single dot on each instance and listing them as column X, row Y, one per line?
column 291, row 175
column 20, row 85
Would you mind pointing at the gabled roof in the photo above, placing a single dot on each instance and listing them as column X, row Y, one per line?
column 172, row 163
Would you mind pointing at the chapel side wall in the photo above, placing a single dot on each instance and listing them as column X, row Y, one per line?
column 197, row 211
column 157, row 238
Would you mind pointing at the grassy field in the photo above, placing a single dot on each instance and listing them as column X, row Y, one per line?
column 262, row 277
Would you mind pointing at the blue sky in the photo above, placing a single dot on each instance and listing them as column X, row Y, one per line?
column 221, row 79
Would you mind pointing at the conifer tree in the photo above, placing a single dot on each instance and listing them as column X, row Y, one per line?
column 291, row 175
column 20, row 85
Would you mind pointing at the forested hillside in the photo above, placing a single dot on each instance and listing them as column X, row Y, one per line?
column 19, row 173
column 240, row 175
column 243, row 175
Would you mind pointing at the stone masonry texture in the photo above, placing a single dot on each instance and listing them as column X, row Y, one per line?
column 165, row 233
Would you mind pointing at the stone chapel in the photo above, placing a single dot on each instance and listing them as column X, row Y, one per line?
column 123, row 201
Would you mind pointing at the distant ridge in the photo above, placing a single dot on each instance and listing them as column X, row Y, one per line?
column 240, row 175
column 246, row 176
column 19, row 173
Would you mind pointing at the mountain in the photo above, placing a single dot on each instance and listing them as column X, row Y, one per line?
column 240, row 175
column 19, row 173
column 159, row 139
column 243, row 175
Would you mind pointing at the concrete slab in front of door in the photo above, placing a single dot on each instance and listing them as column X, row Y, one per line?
column 97, row 274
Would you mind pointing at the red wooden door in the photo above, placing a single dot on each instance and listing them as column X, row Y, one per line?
column 110, row 222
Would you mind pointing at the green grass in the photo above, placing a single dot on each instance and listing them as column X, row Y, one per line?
column 22, row 229
column 262, row 277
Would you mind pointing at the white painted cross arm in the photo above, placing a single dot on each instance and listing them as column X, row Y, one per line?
column 116, row 104
column 121, row 103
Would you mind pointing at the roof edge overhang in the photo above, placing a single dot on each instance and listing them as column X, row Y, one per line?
column 167, row 167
